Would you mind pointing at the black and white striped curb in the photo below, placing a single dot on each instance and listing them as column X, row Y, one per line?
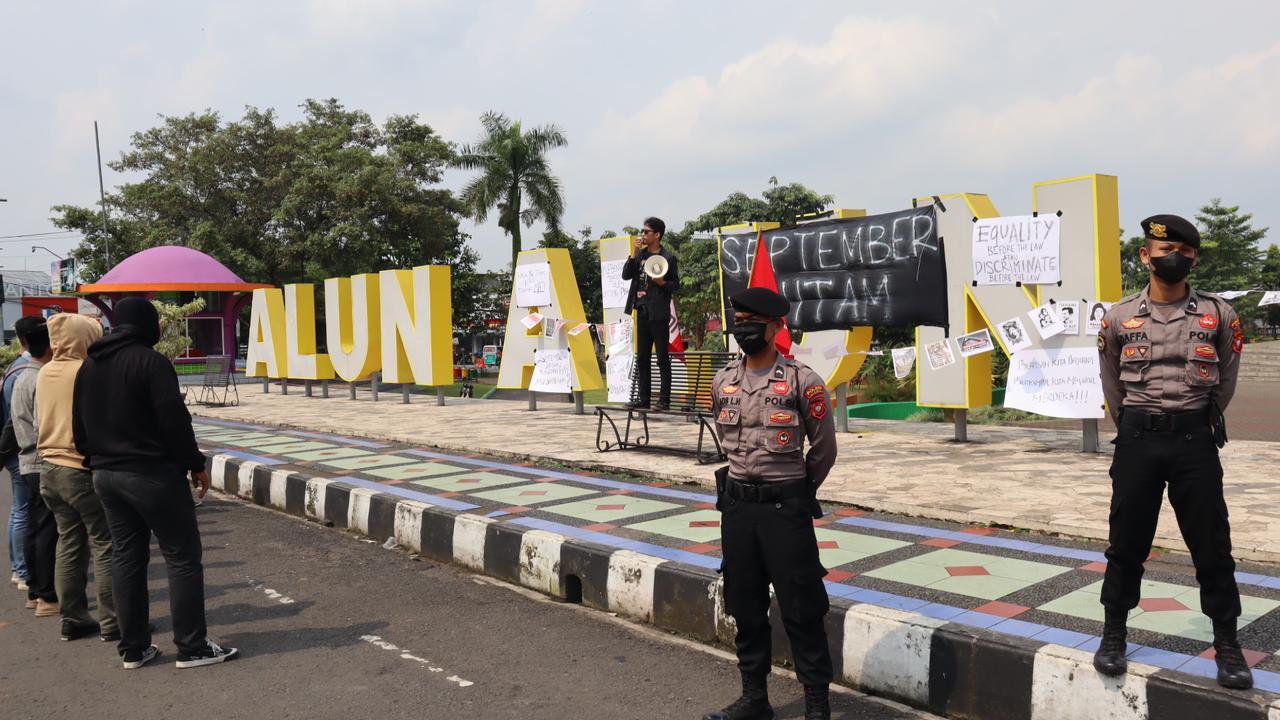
column 946, row 668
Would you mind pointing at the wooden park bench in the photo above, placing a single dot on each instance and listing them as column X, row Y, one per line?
column 691, row 376
column 219, row 382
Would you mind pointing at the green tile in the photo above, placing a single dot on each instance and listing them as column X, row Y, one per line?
column 295, row 447
column 533, row 494
column 987, row 587
column 255, row 439
column 700, row 526
column 910, row 573
column 470, row 482
column 851, row 546
column 413, row 472
column 368, row 462
column 1189, row 623
column 329, row 453
column 611, row 508
column 1004, row 575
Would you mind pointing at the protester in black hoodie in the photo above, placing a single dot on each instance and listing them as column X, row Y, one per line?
column 134, row 430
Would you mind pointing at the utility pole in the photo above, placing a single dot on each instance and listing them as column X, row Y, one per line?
column 102, row 195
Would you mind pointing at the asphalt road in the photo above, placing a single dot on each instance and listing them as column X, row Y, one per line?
column 331, row 626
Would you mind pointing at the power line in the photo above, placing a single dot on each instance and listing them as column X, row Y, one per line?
column 40, row 234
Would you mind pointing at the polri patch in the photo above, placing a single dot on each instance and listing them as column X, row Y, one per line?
column 783, row 437
column 781, row 417
column 1105, row 325
column 1102, row 342
column 1235, row 324
column 1131, row 351
column 813, row 391
column 728, row 416
column 1237, row 344
column 1133, row 323
column 1206, row 351
column 729, row 389
column 1204, row 371
column 818, row 410
column 1208, row 321
column 781, row 388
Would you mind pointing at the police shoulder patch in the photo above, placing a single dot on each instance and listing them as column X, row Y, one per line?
column 1102, row 342
column 818, row 410
column 813, row 391
column 781, row 388
column 1235, row 324
column 1237, row 344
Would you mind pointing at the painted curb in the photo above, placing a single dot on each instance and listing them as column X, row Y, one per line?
column 945, row 668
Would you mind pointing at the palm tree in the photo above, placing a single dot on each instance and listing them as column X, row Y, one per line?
column 512, row 164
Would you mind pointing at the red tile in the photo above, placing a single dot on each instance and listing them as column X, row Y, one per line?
column 940, row 543
column 599, row 527
column 1098, row 567
column 535, row 493
column 1253, row 657
column 705, row 506
column 1154, row 554
column 979, row 531
column 516, row 509
column 1001, row 609
column 611, row 507
column 448, row 494
column 966, row 570
column 839, row 575
column 1161, row 605
column 545, row 479
column 704, row 524
column 828, row 545
column 620, row 492
column 819, row 522
column 469, row 481
column 392, row 482
column 849, row 512
column 701, row 548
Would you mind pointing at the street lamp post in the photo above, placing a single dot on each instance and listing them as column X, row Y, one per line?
column 41, row 247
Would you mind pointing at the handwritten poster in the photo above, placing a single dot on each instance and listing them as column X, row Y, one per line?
column 618, row 372
column 1019, row 248
column 533, row 284
column 1056, row 382
column 1270, row 297
column 612, row 285
column 552, row 372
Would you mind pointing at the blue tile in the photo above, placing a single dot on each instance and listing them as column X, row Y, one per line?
column 843, row 591
column 1067, row 638
column 497, row 513
column 1245, row 578
column 899, row 602
column 874, row 597
column 1021, row 628
column 1264, row 680
column 1091, row 645
column 940, row 611
column 1086, row 555
column 338, row 439
column 1159, row 658
column 1203, row 667
column 976, row 619
column 404, row 492
column 247, row 456
column 643, row 548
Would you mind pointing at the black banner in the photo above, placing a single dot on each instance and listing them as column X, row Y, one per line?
column 879, row 270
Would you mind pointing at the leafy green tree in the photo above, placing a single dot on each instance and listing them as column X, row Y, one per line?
column 1230, row 255
column 584, row 253
column 1133, row 274
column 332, row 194
column 173, row 327
column 513, row 167
column 1270, row 280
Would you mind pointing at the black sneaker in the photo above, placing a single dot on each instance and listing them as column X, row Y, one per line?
column 72, row 630
column 135, row 659
column 210, row 655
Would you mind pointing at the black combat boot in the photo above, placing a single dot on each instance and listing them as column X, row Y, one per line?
column 753, row 705
column 1233, row 671
column 817, row 705
column 1109, row 660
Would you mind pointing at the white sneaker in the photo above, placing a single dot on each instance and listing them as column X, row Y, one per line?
column 22, row 585
column 15, row 579
column 210, row 655
column 134, row 660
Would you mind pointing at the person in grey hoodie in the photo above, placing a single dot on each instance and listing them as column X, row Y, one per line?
column 40, row 543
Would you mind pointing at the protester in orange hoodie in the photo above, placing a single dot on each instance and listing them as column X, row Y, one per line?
column 67, row 485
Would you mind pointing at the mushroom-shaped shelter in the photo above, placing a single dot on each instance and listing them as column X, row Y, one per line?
column 172, row 270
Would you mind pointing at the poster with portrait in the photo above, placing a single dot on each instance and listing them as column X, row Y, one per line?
column 1014, row 335
column 1046, row 321
column 940, row 354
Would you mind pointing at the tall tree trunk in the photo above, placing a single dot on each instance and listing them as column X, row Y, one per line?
column 513, row 208
column 515, row 243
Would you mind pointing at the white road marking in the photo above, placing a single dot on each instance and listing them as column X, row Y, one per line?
column 273, row 594
column 406, row 655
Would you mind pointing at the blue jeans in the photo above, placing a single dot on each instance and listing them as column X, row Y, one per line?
column 17, row 522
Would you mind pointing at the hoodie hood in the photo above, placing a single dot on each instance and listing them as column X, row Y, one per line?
column 138, row 317
column 70, row 335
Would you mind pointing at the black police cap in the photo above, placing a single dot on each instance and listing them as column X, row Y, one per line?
column 761, row 301
column 1171, row 228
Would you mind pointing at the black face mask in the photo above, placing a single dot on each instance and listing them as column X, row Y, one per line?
column 1172, row 268
column 750, row 337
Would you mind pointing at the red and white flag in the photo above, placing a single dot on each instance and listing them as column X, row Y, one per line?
column 762, row 276
column 675, row 343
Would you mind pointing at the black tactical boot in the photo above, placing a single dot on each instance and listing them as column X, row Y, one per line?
column 1233, row 671
column 817, row 705
column 753, row 705
column 1109, row 660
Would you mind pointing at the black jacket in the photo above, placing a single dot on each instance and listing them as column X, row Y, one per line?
column 657, row 297
column 128, row 413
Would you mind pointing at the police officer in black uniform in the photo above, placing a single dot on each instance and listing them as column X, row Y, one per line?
column 766, row 405
column 1170, row 355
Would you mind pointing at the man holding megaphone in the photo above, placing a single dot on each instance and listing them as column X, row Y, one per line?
column 654, row 280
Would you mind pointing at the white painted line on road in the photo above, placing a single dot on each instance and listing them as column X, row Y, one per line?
column 273, row 594
column 406, row 655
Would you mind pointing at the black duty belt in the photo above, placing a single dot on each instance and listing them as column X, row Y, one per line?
column 1164, row 422
column 767, row 492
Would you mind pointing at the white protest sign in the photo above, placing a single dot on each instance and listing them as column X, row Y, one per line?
column 1270, row 297
column 903, row 360
column 1057, row 382
column 1046, row 321
column 1019, row 248
column 578, row 329
column 533, row 284
column 940, row 354
column 1233, row 294
column 620, row 331
column 618, row 370
column 552, row 372
column 612, row 285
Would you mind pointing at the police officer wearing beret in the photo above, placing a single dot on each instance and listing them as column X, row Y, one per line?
column 766, row 404
column 1169, row 361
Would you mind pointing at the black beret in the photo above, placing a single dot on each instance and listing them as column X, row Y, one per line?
column 1171, row 228
column 761, row 301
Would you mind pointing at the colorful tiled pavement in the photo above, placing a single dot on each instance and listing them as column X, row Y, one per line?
column 1017, row 583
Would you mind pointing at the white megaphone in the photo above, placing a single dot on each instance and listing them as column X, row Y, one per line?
column 655, row 266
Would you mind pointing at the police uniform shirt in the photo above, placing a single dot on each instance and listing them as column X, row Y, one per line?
column 1173, row 359
column 763, row 419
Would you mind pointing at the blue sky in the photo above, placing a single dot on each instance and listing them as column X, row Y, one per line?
column 670, row 106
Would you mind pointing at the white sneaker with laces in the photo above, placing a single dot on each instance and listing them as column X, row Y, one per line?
column 135, row 660
column 210, row 655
